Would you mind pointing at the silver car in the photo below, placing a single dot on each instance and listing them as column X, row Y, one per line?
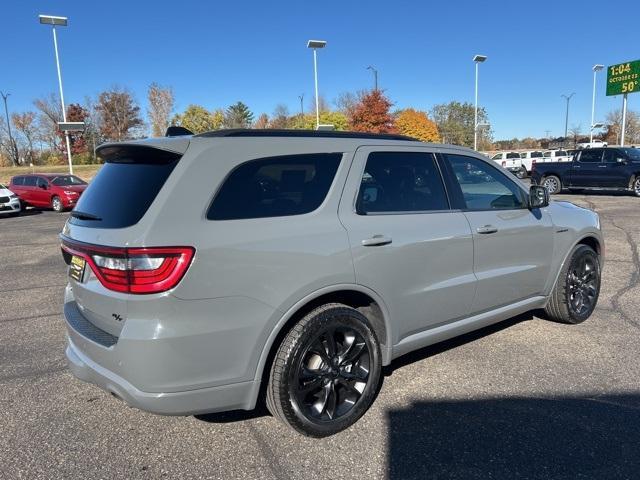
column 213, row 271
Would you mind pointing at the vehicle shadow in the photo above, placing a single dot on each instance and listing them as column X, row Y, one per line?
column 519, row 437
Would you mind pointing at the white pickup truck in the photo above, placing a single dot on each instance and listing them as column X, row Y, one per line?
column 512, row 162
column 556, row 156
column 593, row 144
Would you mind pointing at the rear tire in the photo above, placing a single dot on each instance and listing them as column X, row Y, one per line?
column 575, row 295
column 325, row 374
column 56, row 204
column 552, row 184
column 522, row 173
column 635, row 186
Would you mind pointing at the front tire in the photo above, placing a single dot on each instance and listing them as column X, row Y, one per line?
column 325, row 374
column 56, row 204
column 575, row 295
column 635, row 186
column 522, row 173
column 552, row 184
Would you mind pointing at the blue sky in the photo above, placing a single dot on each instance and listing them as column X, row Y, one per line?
column 216, row 53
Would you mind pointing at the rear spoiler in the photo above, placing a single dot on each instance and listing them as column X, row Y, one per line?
column 170, row 144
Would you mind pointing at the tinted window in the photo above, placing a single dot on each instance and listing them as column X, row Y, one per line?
column 17, row 181
column 401, row 182
column 484, row 187
column 275, row 187
column 611, row 155
column 561, row 153
column 68, row 180
column 41, row 182
column 497, row 156
column 547, row 154
column 30, row 181
column 590, row 156
column 632, row 153
column 513, row 155
column 125, row 186
column 536, row 154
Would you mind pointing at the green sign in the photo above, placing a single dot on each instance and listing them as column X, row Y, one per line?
column 623, row 78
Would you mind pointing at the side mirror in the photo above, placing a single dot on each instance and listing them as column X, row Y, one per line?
column 538, row 196
column 622, row 161
column 43, row 186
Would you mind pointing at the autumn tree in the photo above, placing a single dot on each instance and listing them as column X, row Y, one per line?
column 614, row 127
column 119, row 114
column 8, row 144
column 161, row 101
column 371, row 114
column 416, row 124
column 26, row 127
column 455, row 123
column 76, row 113
column 308, row 122
column 238, row 115
column 262, row 122
column 198, row 119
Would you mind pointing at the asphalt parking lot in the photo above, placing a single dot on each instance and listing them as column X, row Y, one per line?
column 524, row 399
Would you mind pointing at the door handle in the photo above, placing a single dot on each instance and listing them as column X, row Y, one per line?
column 376, row 240
column 486, row 229
column 602, row 166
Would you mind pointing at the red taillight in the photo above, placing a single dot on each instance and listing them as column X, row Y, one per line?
column 533, row 164
column 134, row 270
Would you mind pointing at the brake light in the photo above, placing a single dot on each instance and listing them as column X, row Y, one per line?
column 133, row 270
column 533, row 164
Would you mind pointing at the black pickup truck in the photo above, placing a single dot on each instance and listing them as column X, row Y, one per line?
column 612, row 168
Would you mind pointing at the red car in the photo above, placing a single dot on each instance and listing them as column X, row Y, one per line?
column 52, row 190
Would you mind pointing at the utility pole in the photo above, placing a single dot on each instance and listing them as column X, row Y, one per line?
column 547, row 133
column 12, row 144
column 566, row 118
column 301, row 97
column 375, row 77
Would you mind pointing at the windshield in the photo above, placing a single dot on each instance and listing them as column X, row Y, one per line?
column 68, row 180
column 2, row 187
column 632, row 153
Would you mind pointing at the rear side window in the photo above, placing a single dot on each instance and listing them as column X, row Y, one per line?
column 18, row 181
column 30, row 181
column 591, row 156
column 401, row 182
column 275, row 187
column 125, row 186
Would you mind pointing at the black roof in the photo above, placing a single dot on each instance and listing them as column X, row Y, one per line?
column 245, row 132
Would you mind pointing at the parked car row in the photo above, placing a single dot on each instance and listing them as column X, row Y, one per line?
column 521, row 163
column 45, row 190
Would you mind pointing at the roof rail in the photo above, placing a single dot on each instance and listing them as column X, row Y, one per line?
column 245, row 132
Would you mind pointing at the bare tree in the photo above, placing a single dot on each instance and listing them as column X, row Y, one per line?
column 8, row 145
column 26, row 126
column 161, row 102
column 575, row 131
column 50, row 113
column 280, row 117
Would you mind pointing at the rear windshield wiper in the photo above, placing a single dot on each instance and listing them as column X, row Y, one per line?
column 84, row 216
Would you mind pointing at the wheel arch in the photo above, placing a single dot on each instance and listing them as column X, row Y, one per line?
column 368, row 302
column 589, row 239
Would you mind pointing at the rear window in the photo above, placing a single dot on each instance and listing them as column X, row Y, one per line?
column 275, row 187
column 68, row 180
column 125, row 186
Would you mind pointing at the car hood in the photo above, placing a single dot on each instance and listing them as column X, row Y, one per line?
column 5, row 192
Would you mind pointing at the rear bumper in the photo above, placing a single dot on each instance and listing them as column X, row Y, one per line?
column 205, row 400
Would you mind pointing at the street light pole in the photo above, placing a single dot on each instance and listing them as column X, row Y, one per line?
column 315, row 44
column 375, row 77
column 624, row 119
column 61, row 21
column 477, row 59
column 12, row 144
column 301, row 97
column 566, row 118
column 596, row 68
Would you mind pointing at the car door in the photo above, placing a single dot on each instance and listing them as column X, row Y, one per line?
column 513, row 245
column 29, row 189
column 587, row 169
column 40, row 194
column 406, row 242
column 614, row 174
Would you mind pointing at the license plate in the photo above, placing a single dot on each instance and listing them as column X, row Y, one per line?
column 76, row 268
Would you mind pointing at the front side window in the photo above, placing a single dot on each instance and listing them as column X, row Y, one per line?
column 547, row 154
column 401, row 182
column 591, row 156
column 275, row 187
column 497, row 156
column 41, row 182
column 633, row 154
column 484, row 187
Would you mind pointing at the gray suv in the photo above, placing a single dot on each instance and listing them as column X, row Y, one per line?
column 213, row 271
